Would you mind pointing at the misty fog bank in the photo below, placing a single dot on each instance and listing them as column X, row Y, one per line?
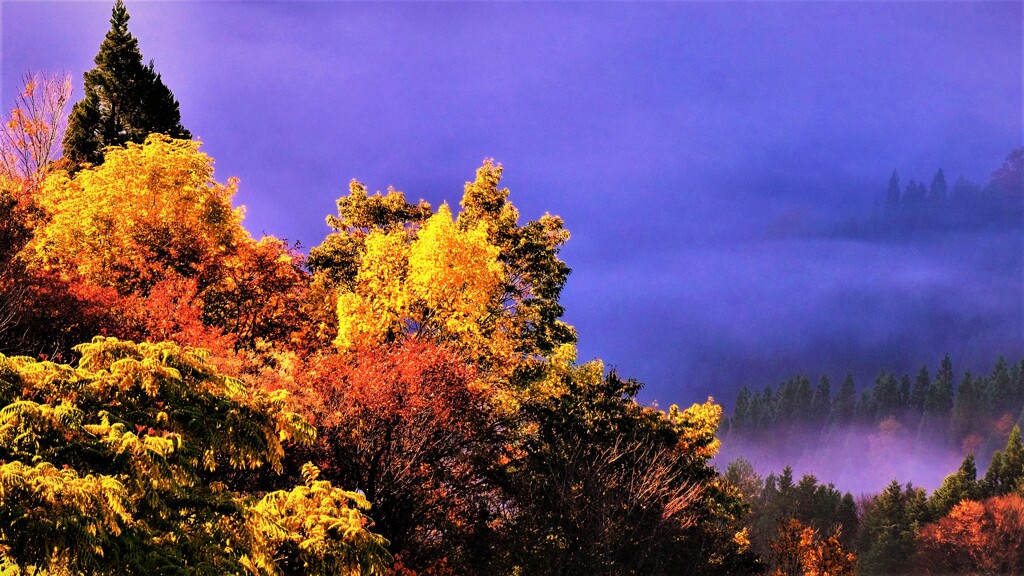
column 709, row 320
column 861, row 460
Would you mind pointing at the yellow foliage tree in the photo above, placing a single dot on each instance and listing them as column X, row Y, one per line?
column 484, row 285
column 696, row 427
column 443, row 286
column 147, row 211
column 152, row 225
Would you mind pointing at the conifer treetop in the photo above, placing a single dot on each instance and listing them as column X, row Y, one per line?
column 125, row 100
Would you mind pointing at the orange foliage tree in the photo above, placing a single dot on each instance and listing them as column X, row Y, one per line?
column 30, row 136
column 984, row 537
column 407, row 425
column 798, row 550
column 152, row 228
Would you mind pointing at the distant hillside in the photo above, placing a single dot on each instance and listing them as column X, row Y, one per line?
column 903, row 211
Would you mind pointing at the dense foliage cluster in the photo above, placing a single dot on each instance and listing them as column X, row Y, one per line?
column 968, row 525
column 122, row 464
column 229, row 387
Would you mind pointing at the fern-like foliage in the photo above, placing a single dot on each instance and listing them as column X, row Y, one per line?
column 105, row 468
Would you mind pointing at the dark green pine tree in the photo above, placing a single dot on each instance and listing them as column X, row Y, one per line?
column 960, row 485
column 888, row 529
column 892, row 193
column 903, row 396
column 1003, row 397
column 803, row 401
column 940, row 400
column 1006, row 472
column 922, row 388
column 821, row 405
column 845, row 404
column 866, row 408
column 125, row 100
column 740, row 423
column 887, row 396
column 967, row 408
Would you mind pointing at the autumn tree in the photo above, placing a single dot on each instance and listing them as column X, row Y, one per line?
column 125, row 100
column 31, row 134
column 535, row 463
column 150, row 210
column 441, row 287
column 111, row 467
column 798, row 550
column 606, row 486
column 258, row 294
column 484, row 283
column 975, row 537
column 152, row 227
column 408, row 425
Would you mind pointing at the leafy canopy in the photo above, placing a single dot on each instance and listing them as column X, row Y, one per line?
column 150, row 210
column 112, row 467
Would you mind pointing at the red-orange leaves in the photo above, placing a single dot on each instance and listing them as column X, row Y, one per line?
column 975, row 538
column 408, row 425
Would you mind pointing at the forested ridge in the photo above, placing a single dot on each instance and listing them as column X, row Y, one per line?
column 917, row 210
column 973, row 413
column 178, row 396
column 968, row 524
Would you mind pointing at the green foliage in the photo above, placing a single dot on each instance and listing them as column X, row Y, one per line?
column 113, row 467
column 338, row 258
column 889, row 528
column 1006, row 472
column 780, row 498
column 961, row 485
column 940, row 400
column 125, row 100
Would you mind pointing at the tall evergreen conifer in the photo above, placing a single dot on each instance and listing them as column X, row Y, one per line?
column 922, row 389
column 845, row 405
column 892, row 193
column 1006, row 472
column 940, row 400
column 125, row 100
column 937, row 191
column 821, row 406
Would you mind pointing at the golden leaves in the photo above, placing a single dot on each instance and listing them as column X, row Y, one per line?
column 445, row 285
column 147, row 210
column 697, row 426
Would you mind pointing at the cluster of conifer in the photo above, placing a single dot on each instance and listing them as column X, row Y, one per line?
column 969, row 412
column 903, row 529
column 968, row 525
column 915, row 209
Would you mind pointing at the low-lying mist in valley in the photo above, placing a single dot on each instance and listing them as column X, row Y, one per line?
column 717, row 318
column 860, row 460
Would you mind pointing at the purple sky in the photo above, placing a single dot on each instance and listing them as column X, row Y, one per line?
column 689, row 147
